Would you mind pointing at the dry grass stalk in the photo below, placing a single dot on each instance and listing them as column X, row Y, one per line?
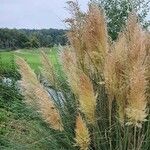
column 88, row 36
column 81, row 86
column 124, row 63
column 76, row 31
column 70, row 68
column 148, row 79
column 115, row 77
column 36, row 95
column 120, row 53
column 118, row 64
column 136, row 41
column 147, row 61
column 95, row 36
column 136, row 109
column 47, row 69
column 82, row 136
column 87, row 99
column 110, row 80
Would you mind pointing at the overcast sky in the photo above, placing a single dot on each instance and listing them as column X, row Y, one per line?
column 34, row 13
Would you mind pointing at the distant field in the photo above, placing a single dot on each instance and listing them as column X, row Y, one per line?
column 7, row 59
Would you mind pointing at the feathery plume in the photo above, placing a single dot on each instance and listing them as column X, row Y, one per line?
column 147, row 62
column 36, row 95
column 115, row 76
column 110, row 80
column 87, row 99
column 47, row 69
column 95, row 36
column 80, row 84
column 124, row 70
column 136, row 41
column 136, row 109
column 75, row 35
column 82, row 136
column 120, row 53
column 70, row 68
column 136, row 98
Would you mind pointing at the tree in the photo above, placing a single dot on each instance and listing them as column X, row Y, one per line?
column 22, row 40
column 26, row 38
column 117, row 12
column 34, row 43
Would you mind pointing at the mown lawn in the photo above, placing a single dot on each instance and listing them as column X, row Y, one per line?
column 32, row 56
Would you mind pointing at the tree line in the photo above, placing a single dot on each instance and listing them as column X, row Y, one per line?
column 116, row 11
column 27, row 38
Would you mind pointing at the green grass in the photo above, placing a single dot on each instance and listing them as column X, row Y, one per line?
column 20, row 126
column 32, row 56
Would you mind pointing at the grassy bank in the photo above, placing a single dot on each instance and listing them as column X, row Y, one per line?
column 20, row 126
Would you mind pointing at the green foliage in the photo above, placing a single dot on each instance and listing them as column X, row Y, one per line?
column 117, row 13
column 34, row 42
column 12, row 39
column 8, row 67
column 25, row 38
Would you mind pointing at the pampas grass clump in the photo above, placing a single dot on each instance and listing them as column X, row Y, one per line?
column 106, row 82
